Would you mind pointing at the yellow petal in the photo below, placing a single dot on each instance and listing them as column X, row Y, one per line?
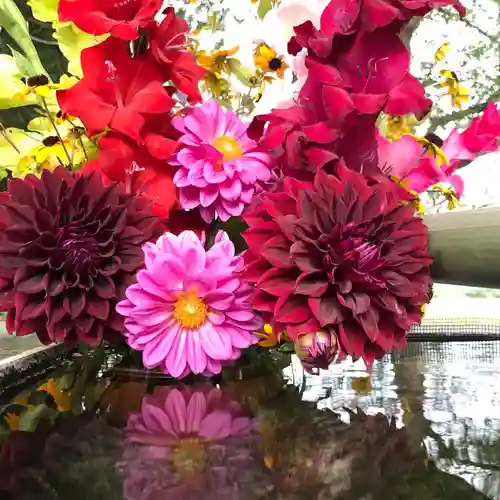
column 363, row 384
column 266, row 51
column 441, row 52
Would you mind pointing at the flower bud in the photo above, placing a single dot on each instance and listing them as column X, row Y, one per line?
column 316, row 350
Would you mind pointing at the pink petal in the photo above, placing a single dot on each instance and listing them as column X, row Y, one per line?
column 196, row 410
column 214, row 344
column 196, row 357
column 175, row 362
column 216, row 425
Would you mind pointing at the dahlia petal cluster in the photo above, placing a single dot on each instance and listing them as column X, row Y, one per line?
column 69, row 247
column 221, row 169
column 341, row 255
column 189, row 311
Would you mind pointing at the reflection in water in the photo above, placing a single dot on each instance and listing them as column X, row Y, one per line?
column 446, row 394
column 188, row 443
column 427, row 428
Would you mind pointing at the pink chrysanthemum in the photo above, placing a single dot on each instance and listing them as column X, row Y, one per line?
column 220, row 167
column 189, row 310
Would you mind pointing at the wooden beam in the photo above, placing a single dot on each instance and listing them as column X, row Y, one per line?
column 465, row 246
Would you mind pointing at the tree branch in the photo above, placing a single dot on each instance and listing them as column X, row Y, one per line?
column 439, row 121
column 492, row 38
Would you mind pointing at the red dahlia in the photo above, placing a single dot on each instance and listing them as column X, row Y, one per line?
column 340, row 255
column 69, row 247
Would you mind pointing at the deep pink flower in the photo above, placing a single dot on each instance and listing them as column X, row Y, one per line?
column 186, row 443
column 220, row 167
column 407, row 162
column 299, row 143
column 405, row 159
column 483, row 133
column 173, row 414
column 121, row 18
column 341, row 255
column 116, row 91
column 345, row 17
column 189, row 311
column 374, row 69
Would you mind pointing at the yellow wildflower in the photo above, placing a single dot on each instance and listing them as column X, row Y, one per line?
column 39, row 85
column 268, row 60
column 362, row 384
column 449, row 195
column 441, row 52
column 61, row 398
column 459, row 93
column 269, row 339
column 397, row 126
column 431, row 144
column 267, row 336
column 12, row 421
column 217, row 61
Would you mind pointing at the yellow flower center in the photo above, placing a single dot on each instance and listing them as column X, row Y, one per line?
column 189, row 456
column 228, row 146
column 189, row 310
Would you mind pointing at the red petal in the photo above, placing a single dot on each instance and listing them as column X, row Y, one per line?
column 327, row 310
column 292, row 309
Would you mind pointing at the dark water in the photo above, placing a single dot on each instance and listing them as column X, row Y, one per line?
column 425, row 426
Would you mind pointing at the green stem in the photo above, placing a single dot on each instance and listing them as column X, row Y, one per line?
column 4, row 133
column 49, row 116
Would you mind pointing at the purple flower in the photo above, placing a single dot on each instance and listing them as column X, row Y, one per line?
column 220, row 167
column 190, row 310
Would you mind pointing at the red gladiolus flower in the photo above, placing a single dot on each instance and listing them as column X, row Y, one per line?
column 69, row 247
column 341, row 255
column 116, row 91
column 121, row 160
column 167, row 44
column 300, row 144
column 346, row 17
column 121, row 18
column 375, row 70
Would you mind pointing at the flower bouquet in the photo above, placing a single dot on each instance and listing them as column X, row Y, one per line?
column 152, row 200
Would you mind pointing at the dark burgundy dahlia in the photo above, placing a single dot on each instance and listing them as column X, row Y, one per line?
column 68, row 249
column 342, row 255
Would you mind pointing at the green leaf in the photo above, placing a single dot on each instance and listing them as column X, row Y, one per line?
column 44, row 10
column 264, row 7
column 242, row 73
column 11, row 85
column 72, row 41
column 31, row 417
column 13, row 22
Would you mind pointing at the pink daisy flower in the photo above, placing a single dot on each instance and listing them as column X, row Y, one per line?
column 220, row 167
column 189, row 311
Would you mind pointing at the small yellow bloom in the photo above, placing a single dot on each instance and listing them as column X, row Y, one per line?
column 39, row 85
column 449, row 195
column 362, row 384
column 441, row 52
column 397, row 126
column 268, row 60
column 267, row 336
column 61, row 398
column 216, row 61
column 432, row 149
column 12, row 421
column 459, row 93
column 269, row 339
